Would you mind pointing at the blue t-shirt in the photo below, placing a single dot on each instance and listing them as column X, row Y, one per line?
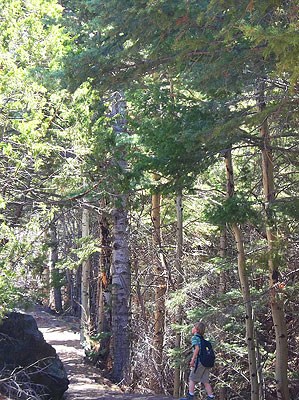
column 195, row 341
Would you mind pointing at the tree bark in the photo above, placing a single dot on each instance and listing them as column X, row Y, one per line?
column 222, row 290
column 160, row 291
column 85, row 284
column 179, row 317
column 276, row 300
column 103, row 320
column 250, row 338
column 222, row 254
column 249, row 323
column 121, row 273
column 121, row 289
column 55, row 287
column 140, row 299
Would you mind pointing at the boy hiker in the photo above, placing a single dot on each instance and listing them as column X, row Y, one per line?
column 202, row 360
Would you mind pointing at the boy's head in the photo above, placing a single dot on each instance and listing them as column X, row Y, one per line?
column 199, row 328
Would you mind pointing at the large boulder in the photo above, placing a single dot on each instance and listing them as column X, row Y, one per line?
column 29, row 364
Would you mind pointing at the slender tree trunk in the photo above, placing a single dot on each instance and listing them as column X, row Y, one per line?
column 121, row 273
column 260, row 370
column 179, row 253
column 69, row 295
column 222, row 290
column 179, row 270
column 85, row 284
column 248, row 313
column 250, row 338
column 104, row 272
column 104, row 292
column 55, row 287
column 140, row 299
column 160, row 291
column 222, row 254
column 276, row 300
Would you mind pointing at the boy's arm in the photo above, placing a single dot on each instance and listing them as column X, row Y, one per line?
column 194, row 356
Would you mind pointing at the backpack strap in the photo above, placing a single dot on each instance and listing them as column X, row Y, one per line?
column 197, row 358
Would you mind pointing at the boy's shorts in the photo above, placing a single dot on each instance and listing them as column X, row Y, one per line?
column 201, row 374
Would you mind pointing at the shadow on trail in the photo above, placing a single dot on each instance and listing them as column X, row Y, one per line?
column 86, row 382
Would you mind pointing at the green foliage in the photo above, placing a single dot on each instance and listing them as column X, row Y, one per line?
column 178, row 357
column 191, row 72
column 233, row 210
column 289, row 207
column 10, row 294
column 177, row 139
column 82, row 250
column 31, row 41
column 57, row 279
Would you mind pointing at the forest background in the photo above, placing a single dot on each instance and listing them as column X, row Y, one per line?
column 149, row 179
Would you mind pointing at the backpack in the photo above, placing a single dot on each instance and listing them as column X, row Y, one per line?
column 206, row 353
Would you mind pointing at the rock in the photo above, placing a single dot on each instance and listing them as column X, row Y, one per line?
column 30, row 364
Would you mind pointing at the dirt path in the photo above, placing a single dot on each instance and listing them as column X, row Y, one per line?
column 85, row 381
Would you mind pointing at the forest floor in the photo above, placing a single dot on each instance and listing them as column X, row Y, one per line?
column 86, row 382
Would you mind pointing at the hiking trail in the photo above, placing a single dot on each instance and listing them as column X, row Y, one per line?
column 86, row 383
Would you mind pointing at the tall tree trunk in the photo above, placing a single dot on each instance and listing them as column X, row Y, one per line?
column 85, row 284
column 222, row 290
column 276, row 301
column 69, row 295
column 249, row 323
column 139, row 294
column 179, row 271
column 222, row 254
column 250, row 337
column 160, row 291
column 104, row 292
column 121, row 273
column 55, row 287
column 121, row 285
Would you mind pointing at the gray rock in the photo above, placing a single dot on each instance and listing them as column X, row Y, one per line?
column 30, row 364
